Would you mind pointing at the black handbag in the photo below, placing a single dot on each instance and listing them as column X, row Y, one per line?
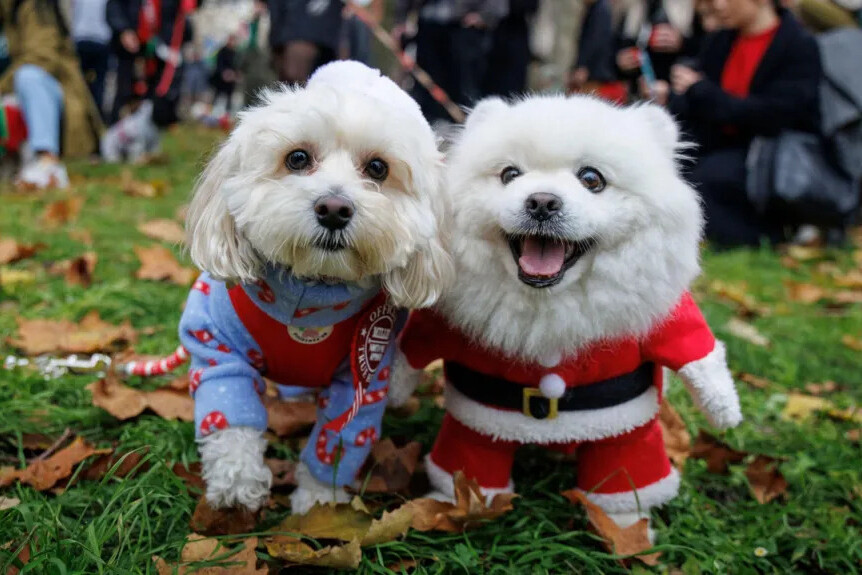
column 794, row 177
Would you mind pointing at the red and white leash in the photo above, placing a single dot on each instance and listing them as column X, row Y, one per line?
column 154, row 367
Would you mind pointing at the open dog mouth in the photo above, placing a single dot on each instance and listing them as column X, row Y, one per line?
column 543, row 260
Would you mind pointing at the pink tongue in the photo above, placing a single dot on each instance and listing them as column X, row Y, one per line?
column 542, row 258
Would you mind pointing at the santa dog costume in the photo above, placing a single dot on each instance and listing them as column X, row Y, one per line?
column 575, row 241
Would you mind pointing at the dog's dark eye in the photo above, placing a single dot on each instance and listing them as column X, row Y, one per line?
column 298, row 160
column 508, row 174
column 377, row 169
column 592, row 179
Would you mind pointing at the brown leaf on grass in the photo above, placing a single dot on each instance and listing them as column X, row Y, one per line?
column 854, row 343
column 746, row 331
column 159, row 264
column 62, row 211
column 619, row 541
column 240, row 561
column 821, row 388
column 677, row 441
column 804, row 293
column 232, row 521
column 846, row 297
column 124, row 402
column 191, row 475
column 800, row 407
column 91, row 334
column 23, row 557
column 77, row 271
column 83, row 236
column 468, row 510
column 44, row 474
column 37, row 441
column 350, row 523
column 140, row 189
column 180, row 383
column 755, row 381
column 391, row 467
column 765, row 479
column 805, row 253
column 287, row 418
column 403, row 565
column 853, row 435
column 283, row 472
column 738, row 293
column 164, row 230
column 716, row 453
column 851, row 280
column 11, row 251
column 8, row 502
column 128, row 462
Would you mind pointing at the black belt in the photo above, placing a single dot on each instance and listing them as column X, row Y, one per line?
column 498, row 392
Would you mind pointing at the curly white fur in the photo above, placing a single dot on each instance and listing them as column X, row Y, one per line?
column 310, row 491
column 233, row 468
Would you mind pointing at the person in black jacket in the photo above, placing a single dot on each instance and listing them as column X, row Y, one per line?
column 510, row 51
column 757, row 77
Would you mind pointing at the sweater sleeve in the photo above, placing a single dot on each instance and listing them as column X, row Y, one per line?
column 426, row 337
column 223, row 381
column 682, row 338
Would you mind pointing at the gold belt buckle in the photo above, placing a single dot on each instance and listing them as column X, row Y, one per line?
column 536, row 392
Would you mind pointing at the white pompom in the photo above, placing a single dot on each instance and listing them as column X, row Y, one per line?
column 552, row 386
column 550, row 359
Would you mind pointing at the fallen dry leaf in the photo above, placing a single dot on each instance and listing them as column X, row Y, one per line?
column 853, row 435
column 800, row 407
column 191, row 475
column 755, row 381
column 38, row 336
column 83, row 236
column 8, row 502
column 140, row 189
column 11, row 251
column 846, row 297
column 286, row 418
column 10, row 277
column 241, row 561
column 805, row 253
column 158, row 263
column 746, row 331
column 164, row 230
column 350, row 523
column 821, row 388
column 738, row 293
column 852, row 280
column 232, row 521
column 44, row 474
column 391, row 467
column 716, row 453
column 765, row 479
column 626, row 541
column 77, row 271
column 23, row 557
column 677, row 441
column 853, row 343
column 403, row 565
column 124, row 402
column 467, row 511
column 62, row 211
column 804, row 293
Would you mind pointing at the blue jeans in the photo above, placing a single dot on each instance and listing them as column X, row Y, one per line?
column 40, row 97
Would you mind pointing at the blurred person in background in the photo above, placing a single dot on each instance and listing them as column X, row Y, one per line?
column 58, row 109
column 225, row 75
column 254, row 61
column 92, row 36
column 304, row 35
column 356, row 37
column 510, row 50
column 758, row 76
column 594, row 71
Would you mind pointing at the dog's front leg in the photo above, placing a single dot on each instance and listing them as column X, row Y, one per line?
column 310, row 490
column 233, row 468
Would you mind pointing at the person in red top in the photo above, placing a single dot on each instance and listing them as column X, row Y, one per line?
column 758, row 76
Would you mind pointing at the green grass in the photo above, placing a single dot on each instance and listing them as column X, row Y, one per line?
column 116, row 525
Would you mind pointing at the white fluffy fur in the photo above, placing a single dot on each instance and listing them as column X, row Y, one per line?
column 310, row 491
column 404, row 379
column 711, row 385
column 233, row 468
column 653, row 495
column 647, row 223
column 444, row 484
column 249, row 209
column 566, row 427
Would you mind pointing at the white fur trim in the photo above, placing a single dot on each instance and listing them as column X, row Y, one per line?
column 444, row 484
column 568, row 426
column 552, row 386
column 310, row 490
column 403, row 379
column 233, row 468
column 647, row 497
column 711, row 385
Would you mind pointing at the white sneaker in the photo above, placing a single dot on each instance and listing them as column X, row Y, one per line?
column 42, row 175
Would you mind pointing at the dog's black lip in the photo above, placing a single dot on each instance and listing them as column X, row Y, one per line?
column 330, row 244
column 581, row 247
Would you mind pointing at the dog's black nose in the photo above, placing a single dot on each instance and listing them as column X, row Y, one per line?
column 333, row 212
column 542, row 206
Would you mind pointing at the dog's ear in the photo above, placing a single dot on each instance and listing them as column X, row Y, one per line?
column 662, row 125
column 215, row 244
column 430, row 270
column 484, row 110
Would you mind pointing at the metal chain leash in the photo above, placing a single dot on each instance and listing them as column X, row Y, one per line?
column 53, row 367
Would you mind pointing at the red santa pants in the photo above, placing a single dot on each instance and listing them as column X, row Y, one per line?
column 615, row 465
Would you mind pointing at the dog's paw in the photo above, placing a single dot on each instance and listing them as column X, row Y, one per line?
column 310, row 490
column 233, row 468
